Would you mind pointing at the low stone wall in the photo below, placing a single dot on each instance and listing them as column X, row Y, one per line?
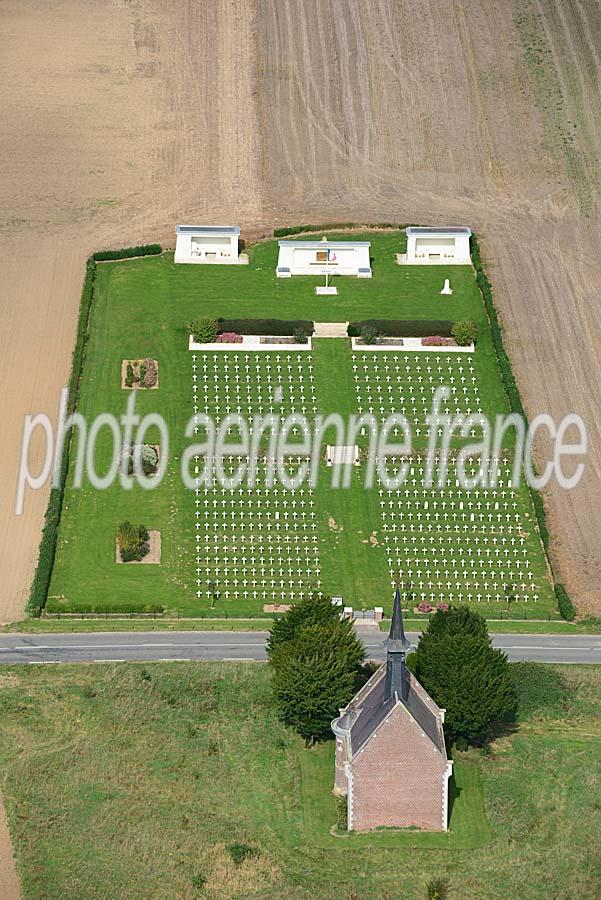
column 254, row 343
column 409, row 344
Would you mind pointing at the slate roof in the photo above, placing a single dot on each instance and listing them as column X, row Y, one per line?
column 372, row 711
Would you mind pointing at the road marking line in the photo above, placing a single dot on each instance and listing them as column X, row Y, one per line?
column 137, row 646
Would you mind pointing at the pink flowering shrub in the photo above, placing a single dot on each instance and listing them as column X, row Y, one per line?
column 229, row 337
column 443, row 606
column 435, row 340
column 424, row 607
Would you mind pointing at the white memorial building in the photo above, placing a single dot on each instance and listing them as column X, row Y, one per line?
column 324, row 258
column 437, row 246
column 208, row 244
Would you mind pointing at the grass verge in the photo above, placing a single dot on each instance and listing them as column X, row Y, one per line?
column 137, row 780
column 67, row 625
column 62, row 626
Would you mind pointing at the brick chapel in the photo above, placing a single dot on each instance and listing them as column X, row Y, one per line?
column 391, row 760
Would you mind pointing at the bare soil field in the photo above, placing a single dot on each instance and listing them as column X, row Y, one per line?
column 121, row 118
column 10, row 888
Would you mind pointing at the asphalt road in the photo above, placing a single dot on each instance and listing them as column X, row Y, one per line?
column 243, row 645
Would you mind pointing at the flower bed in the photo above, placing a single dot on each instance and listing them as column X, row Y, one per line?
column 135, row 544
column 229, row 337
column 436, row 340
column 139, row 374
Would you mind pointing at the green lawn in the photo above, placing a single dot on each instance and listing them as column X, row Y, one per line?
column 67, row 625
column 468, row 824
column 60, row 625
column 134, row 779
column 343, row 541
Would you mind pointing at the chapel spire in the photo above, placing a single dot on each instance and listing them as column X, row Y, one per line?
column 397, row 646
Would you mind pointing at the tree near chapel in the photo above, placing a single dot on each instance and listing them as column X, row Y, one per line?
column 315, row 609
column 315, row 660
column 465, row 675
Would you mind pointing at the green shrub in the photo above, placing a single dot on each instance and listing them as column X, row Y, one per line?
column 239, row 852
column 203, row 330
column 129, row 375
column 369, row 334
column 342, row 814
column 437, row 889
column 149, row 459
column 300, row 336
column 128, row 252
column 285, row 327
column 133, row 542
column 464, row 332
column 566, row 607
column 402, row 327
column 142, row 374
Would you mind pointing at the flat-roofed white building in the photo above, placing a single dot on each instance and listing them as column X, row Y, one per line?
column 437, row 246
column 323, row 257
column 208, row 244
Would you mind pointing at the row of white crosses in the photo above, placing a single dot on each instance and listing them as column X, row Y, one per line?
column 260, row 543
column 259, row 383
column 455, row 545
column 405, row 383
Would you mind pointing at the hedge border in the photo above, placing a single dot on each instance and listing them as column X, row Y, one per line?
column 256, row 326
column 127, row 252
column 403, row 327
column 566, row 607
column 40, row 585
column 333, row 226
column 515, row 403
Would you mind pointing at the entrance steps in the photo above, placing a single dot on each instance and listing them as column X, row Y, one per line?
column 330, row 329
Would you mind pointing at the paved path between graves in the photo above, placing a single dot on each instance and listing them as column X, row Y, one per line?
column 250, row 645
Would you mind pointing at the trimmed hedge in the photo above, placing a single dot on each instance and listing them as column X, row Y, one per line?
column 330, row 226
column 55, row 608
column 128, row 252
column 284, row 327
column 566, row 607
column 43, row 573
column 402, row 327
